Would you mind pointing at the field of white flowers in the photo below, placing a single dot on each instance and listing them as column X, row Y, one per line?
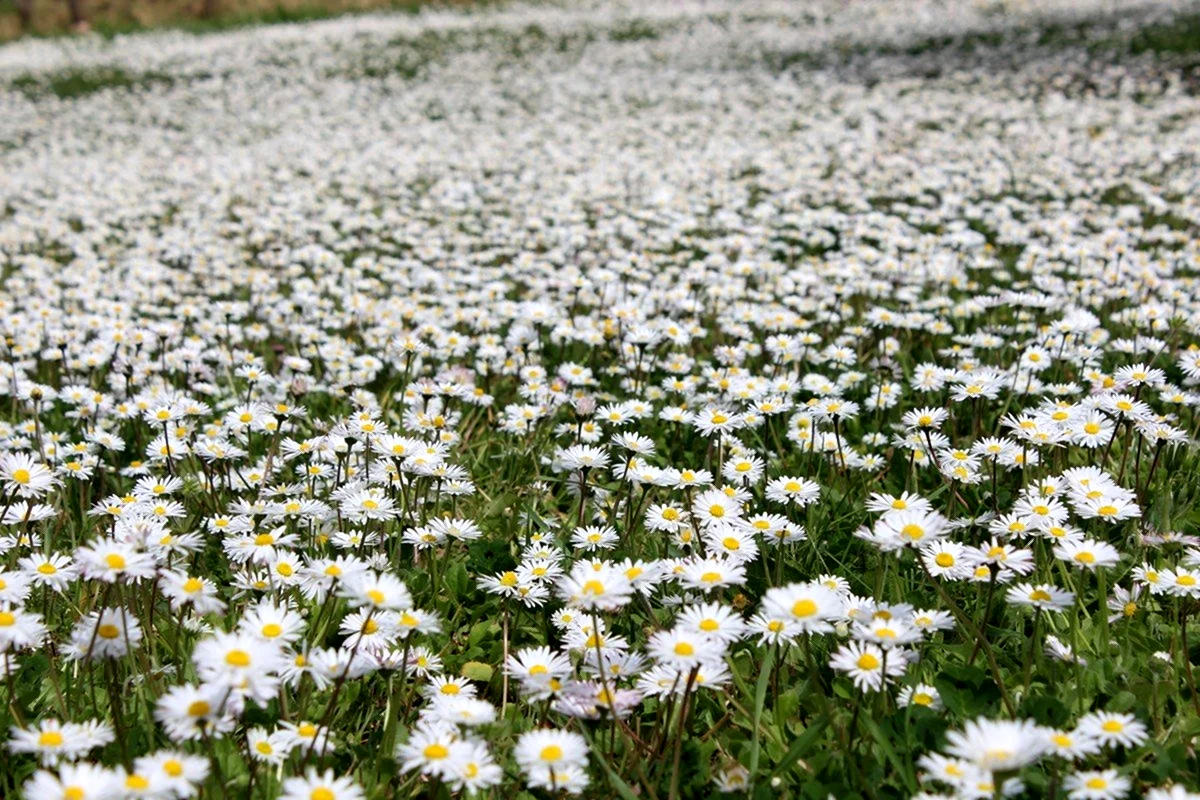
column 643, row 400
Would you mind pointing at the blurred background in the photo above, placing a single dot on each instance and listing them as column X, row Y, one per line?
column 50, row 17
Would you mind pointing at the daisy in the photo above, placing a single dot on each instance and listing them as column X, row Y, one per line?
column 909, row 528
column 683, row 649
column 179, row 773
column 109, row 633
column 946, row 559
column 113, row 562
column 920, row 695
column 181, row 589
column 717, row 421
column 1124, row 602
column 1087, row 554
column 799, row 492
column 925, row 418
column 270, row 748
column 735, row 544
column 375, row 590
column 1071, row 745
column 474, row 769
column 547, row 750
column 595, row 538
column 808, row 607
column 19, row 629
column 73, row 782
column 188, row 712
column 22, row 476
column 51, row 740
column 714, row 507
column 1181, row 582
column 743, row 469
column 245, row 664
column 998, row 745
column 1041, row 597
column 1096, row 785
column 588, row 588
column 869, row 666
column 1113, row 729
column 321, row 786
column 55, row 570
column 711, row 573
column 712, row 620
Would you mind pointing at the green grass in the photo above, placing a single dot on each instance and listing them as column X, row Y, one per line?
column 75, row 83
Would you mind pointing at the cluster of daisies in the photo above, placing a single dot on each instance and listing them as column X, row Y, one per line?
column 533, row 400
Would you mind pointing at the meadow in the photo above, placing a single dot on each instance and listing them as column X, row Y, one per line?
column 608, row 400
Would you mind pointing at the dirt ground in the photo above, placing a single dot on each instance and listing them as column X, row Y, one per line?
column 48, row 17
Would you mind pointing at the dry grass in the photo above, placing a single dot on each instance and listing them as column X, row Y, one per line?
column 51, row 17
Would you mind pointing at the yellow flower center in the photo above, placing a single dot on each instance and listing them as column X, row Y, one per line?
column 237, row 658
column 50, row 739
column 804, row 608
column 271, row 630
column 108, row 631
column 436, row 752
column 551, row 753
column 867, row 661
